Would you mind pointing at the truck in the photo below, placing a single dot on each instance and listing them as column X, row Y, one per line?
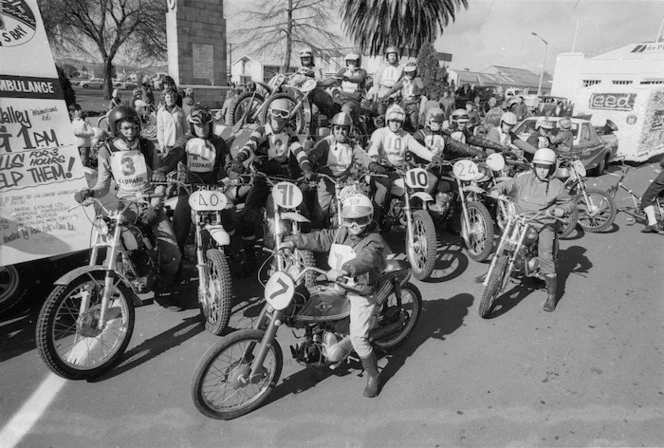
column 530, row 100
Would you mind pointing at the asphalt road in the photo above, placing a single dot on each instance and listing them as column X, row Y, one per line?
column 589, row 374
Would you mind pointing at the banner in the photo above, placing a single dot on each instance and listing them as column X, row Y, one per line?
column 40, row 167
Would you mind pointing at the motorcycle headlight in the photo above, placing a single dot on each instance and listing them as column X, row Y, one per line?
column 101, row 226
column 531, row 236
column 563, row 172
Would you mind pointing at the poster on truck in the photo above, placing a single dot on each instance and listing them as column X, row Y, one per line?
column 40, row 167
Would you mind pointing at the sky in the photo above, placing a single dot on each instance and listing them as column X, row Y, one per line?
column 498, row 32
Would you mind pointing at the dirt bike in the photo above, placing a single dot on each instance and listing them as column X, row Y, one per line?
column 408, row 208
column 342, row 190
column 635, row 211
column 215, row 286
column 595, row 209
column 237, row 375
column 516, row 255
column 86, row 322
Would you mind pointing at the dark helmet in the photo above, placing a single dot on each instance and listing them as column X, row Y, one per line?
column 199, row 115
column 120, row 114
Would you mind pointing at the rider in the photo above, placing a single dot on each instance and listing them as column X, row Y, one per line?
column 130, row 160
column 387, row 78
column 653, row 191
column 458, row 130
column 319, row 97
column 411, row 87
column 353, row 83
column 356, row 250
column 503, row 135
column 335, row 155
column 441, row 144
column 277, row 152
column 541, row 136
column 390, row 144
column 204, row 155
column 535, row 191
column 564, row 141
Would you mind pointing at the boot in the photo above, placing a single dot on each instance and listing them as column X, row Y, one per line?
column 370, row 365
column 551, row 292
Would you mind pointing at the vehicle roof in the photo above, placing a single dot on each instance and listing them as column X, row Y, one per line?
column 574, row 119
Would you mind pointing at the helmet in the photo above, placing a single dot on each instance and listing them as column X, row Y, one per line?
column 460, row 116
column 281, row 104
column 354, row 57
column 544, row 156
column 395, row 112
column 307, row 52
column 120, row 114
column 544, row 123
column 391, row 49
column 356, row 207
column 342, row 119
column 565, row 123
column 411, row 67
column 435, row 114
column 508, row 118
column 200, row 115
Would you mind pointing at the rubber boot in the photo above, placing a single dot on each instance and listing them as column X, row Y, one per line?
column 370, row 365
column 551, row 292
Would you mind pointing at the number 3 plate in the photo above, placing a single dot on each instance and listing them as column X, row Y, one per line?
column 286, row 195
column 465, row 170
column 279, row 290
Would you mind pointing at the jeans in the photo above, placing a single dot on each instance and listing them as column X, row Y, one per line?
column 545, row 250
column 362, row 319
column 653, row 191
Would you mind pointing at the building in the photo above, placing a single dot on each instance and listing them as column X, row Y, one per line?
column 501, row 78
column 639, row 64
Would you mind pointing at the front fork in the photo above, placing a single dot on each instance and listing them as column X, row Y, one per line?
column 268, row 339
column 201, row 262
column 109, row 278
column 409, row 220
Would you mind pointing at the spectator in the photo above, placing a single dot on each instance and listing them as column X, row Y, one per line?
column 147, row 94
column 447, row 103
column 171, row 121
column 115, row 98
column 83, row 132
column 187, row 102
column 170, row 82
column 473, row 115
column 519, row 108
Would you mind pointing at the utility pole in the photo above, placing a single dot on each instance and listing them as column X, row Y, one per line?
column 546, row 47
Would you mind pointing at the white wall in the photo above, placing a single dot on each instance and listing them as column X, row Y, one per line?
column 246, row 67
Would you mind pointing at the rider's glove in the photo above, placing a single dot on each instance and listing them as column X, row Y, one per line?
column 237, row 166
column 308, row 173
column 333, row 275
column 149, row 215
column 82, row 195
column 158, row 176
column 437, row 160
column 376, row 168
column 557, row 212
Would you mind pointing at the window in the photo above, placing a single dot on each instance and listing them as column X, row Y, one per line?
column 652, row 81
column 585, row 134
column 590, row 82
column 621, row 82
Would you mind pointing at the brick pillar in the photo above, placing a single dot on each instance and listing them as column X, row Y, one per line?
column 196, row 38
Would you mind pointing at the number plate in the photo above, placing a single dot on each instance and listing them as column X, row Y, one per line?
column 286, row 195
column 495, row 162
column 279, row 290
column 465, row 170
column 207, row 201
column 417, row 178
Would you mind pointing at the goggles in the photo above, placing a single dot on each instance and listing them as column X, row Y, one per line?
column 339, row 127
column 359, row 221
column 279, row 113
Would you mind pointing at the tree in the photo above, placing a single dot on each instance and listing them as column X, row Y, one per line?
column 106, row 26
column 433, row 75
column 376, row 24
column 69, row 70
column 275, row 27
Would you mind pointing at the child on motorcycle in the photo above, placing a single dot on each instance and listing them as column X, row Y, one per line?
column 535, row 191
column 390, row 144
column 353, row 85
column 356, row 250
column 503, row 135
column 411, row 87
column 458, row 129
column 130, row 160
column 277, row 152
column 335, row 155
column 387, row 77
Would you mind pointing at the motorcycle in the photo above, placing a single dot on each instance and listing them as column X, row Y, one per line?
column 595, row 209
column 342, row 189
column 516, row 255
column 409, row 209
column 237, row 375
column 86, row 322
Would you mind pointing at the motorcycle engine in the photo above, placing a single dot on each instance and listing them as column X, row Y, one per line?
column 309, row 351
column 141, row 261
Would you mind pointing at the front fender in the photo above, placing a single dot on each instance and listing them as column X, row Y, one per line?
column 424, row 197
column 78, row 272
column 474, row 189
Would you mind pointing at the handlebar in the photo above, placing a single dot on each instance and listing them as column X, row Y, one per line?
column 528, row 216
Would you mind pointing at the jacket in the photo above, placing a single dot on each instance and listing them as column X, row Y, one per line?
column 171, row 126
column 83, row 132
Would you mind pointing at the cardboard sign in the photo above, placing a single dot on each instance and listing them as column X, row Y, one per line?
column 40, row 167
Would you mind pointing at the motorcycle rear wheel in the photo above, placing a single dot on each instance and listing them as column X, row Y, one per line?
column 295, row 261
column 479, row 243
column 605, row 214
column 422, row 256
column 411, row 306
column 220, row 286
column 493, row 287
column 222, row 375
column 70, row 344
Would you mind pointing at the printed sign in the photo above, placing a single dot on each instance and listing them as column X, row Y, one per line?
column 657, row 120
column 40, row 166
column 612, row 101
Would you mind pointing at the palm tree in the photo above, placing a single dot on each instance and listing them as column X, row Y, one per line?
column 376, row 24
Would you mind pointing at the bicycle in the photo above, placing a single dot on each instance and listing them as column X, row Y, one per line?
column 634, row 212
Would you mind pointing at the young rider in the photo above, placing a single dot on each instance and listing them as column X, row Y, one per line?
column 387, row 78
column 503, row 135
column 564, row 141
column 353, row 83
column 130, row 160
column 356, row 250
column 308, row 70
column 541, row 137
column 335, row 155
column 390, row 144
column 459, row 131
column 535, row 191
column 411, row 87
column 277, row 152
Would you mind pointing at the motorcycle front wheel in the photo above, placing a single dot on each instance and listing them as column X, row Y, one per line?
column 493, row 287
column 598, row 213
column 222, row 387
column 410, row 311
column 70, row 344
column 478, row 234
column 243, row 106
column 217, row 310
column 422, row 253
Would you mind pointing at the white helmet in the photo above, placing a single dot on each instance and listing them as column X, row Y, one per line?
column 544, row 156
column 395, row 112
column 509, row 118
column 357, row 209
